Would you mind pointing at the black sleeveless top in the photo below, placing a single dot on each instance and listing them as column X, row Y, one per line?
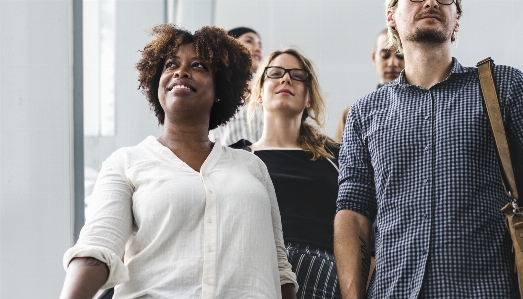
column 306, row 191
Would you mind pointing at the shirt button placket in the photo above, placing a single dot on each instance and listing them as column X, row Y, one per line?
column 210, row 228
column 428, row 119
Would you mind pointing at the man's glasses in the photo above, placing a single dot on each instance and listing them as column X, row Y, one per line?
column 276, row 72
column 443, row 2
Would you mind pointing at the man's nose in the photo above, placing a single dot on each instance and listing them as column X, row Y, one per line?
column 393, row 61
column 430, row 3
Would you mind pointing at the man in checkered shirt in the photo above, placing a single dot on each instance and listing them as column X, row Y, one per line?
column 418, row 156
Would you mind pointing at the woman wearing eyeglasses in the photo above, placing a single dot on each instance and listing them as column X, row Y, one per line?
column 302, row 163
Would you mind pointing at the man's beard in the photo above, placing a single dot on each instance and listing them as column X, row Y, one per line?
column 428, row 36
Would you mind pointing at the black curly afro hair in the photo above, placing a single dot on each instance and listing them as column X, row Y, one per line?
column 227, row 56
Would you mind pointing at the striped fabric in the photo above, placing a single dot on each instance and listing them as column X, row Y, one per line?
column 237, row 128
column 315, row 272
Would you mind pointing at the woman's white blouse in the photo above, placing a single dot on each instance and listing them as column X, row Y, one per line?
column 186, row 234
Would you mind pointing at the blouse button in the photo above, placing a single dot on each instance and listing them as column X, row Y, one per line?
column 210, row 191
column 209, row 220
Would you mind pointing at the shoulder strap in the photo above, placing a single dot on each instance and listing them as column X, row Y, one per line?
column 490, row 97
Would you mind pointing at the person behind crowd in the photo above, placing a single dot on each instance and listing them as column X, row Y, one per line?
column 195, row 219
column 388, row 63
column 419, row 156
column 250, row 39
column 302, row 163
column 237, row 127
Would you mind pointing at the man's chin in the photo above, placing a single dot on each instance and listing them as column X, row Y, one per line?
column 431, row 36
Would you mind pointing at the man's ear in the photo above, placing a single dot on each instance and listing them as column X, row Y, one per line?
column 456, row 28
column 390, row 18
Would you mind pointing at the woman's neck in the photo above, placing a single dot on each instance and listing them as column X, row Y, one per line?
column 281, row 132
column 191, row 136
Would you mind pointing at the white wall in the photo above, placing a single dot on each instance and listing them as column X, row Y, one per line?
column 36, row 157
column 339, row 37
column 134, row 119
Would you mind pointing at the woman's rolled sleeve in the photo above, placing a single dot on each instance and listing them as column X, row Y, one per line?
column 118, row 272
column 106, row 232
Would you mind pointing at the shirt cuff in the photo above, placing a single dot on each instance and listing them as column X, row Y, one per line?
column 118, row 272
column 286, row 275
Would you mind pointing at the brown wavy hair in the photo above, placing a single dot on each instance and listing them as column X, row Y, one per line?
column 310, row 139
column 394, row 37
column 227, row 56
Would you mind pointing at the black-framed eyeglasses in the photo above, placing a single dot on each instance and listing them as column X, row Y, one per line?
column 276, row 72
column 443, row 2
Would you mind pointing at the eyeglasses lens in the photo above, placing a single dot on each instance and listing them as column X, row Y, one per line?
column 299, row 75
column 444, row 2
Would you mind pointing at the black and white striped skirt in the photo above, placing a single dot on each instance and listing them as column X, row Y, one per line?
column 315, row 271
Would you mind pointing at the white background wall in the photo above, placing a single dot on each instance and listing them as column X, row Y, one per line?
column 36, row 146
column 36, row 131
column 337, row 35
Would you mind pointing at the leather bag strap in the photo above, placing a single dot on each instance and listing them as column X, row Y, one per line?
column 490, row 97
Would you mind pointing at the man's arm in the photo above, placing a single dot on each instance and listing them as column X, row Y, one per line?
column 352, row 246
column 85, row 276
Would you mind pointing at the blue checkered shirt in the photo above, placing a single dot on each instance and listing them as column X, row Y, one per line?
column 423, row 164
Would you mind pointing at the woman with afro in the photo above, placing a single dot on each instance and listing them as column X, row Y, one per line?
column 179, row 216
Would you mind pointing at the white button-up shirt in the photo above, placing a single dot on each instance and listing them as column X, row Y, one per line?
column 186, row 234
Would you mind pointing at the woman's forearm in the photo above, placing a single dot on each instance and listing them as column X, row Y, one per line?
column 85, row 276
column 288, row 291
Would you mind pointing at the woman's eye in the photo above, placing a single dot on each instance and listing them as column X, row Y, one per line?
column 169, row 65
column 199, row 65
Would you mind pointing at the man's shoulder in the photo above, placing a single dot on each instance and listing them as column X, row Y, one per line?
column 377, row 98
column 498, row 70
column 506, row 71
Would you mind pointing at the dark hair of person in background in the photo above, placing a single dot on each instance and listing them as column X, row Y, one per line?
column 252, row 40
column 231, row 63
